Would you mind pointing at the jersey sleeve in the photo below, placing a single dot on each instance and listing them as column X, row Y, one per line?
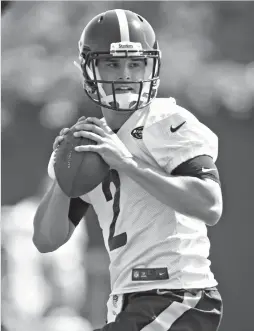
column 77, row 210
column 176, row 136
column 201, row 166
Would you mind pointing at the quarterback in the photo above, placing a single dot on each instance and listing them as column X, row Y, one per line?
column 162, row 191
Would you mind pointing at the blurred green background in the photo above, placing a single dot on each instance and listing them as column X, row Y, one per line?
column 207, row 65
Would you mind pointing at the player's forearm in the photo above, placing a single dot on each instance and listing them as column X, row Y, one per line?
column 51, row 224
column 187, row 195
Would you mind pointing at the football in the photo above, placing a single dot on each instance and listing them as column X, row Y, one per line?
column 78, row 173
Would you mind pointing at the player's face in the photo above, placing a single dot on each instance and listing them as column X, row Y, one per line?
column 127, row 69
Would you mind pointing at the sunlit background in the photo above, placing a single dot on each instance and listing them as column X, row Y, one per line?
column 207, row 65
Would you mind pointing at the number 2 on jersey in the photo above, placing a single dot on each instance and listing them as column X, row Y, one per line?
column 119, row 240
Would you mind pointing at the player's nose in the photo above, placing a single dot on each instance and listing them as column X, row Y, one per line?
column 124, row 72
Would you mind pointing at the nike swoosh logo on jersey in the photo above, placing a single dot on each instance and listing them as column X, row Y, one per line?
column 172, row 129
column 207, row 169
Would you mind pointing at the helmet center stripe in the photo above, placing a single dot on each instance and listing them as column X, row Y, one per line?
column 123, row 24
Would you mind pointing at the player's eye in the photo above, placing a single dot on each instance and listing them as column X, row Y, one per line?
column 112, row 64
column 138, row 63
column 135, row 64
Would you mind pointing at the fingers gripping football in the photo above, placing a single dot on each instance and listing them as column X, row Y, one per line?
column 64, row 131
column 89, row 135
column 108, row 144
column 79, row 173
column 91, row 128
column 60, row 138
column 93, row 131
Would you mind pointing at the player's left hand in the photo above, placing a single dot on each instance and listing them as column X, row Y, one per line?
column 109, row 146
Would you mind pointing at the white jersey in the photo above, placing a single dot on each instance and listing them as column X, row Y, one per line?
column 138, row 230
column 140, row 233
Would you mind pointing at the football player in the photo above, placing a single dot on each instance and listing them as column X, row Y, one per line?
column 162, row 191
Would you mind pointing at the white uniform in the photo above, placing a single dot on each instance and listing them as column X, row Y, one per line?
column 148, row 233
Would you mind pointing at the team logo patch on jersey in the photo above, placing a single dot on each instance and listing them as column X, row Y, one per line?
column 137, row 132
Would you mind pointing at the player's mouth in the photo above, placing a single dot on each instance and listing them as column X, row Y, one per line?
column 124, row 89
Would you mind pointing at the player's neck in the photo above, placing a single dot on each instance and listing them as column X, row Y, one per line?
column 115, row 119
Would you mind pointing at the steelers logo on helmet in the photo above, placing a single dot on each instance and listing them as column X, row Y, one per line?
column 112, row 36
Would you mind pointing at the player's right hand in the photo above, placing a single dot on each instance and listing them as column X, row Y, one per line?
column 60, row 138
column 63, row 132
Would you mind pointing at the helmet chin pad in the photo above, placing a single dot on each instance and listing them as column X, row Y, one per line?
column 123, row 101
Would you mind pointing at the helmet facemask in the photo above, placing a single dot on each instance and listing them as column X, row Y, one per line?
column 147, row 87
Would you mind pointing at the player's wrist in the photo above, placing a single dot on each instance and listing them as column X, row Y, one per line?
column 128, row 164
